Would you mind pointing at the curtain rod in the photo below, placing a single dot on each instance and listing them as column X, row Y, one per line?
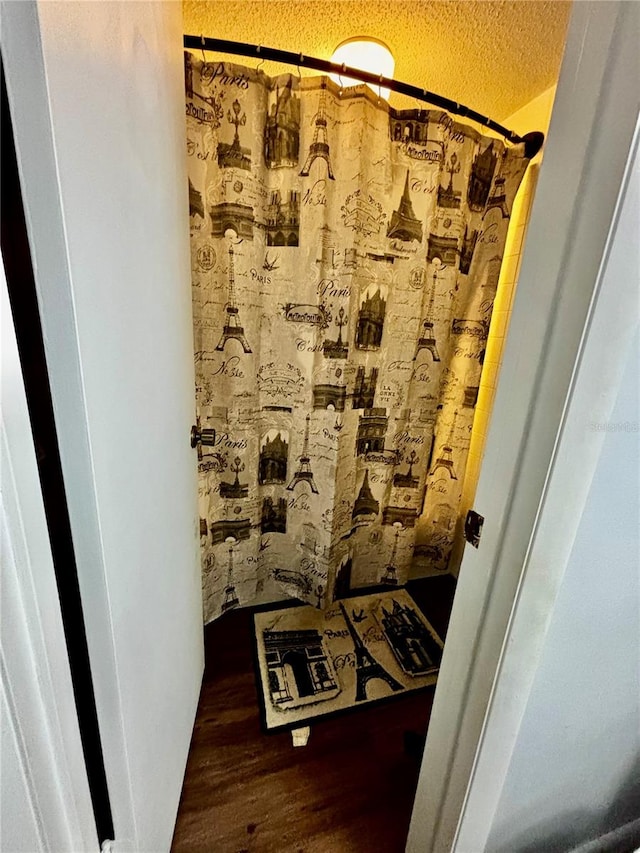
column 533, row 141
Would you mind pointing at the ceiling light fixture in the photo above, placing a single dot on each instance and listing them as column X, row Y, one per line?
column 366, row 54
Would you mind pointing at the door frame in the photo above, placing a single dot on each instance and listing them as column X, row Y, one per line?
column 95, row 92
column 506, row 589
column 51, row 808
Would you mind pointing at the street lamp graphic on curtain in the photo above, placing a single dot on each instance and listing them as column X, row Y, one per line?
column 345, row 259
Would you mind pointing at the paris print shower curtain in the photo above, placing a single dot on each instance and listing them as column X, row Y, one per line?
column 345, row 258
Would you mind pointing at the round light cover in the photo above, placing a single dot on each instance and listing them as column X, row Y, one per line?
column 366, row 54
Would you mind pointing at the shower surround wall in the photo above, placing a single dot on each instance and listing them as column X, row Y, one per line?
column 345, row 260
column 535, row 114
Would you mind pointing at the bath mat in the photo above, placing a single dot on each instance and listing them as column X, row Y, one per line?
column 312, row 663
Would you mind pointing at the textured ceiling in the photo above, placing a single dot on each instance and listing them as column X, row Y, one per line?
column 492, row 55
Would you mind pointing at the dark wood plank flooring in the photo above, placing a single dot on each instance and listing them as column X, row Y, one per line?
column 350, row 790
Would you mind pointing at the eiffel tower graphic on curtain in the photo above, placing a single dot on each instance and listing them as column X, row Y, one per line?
column 427, row 339
column 445, row 459
column 498, row 195
column 319, row 147
column 232, row 328
column 304, row 474
column 390, row 576
column 367, row 667
column 230, row 596
column 404, row 224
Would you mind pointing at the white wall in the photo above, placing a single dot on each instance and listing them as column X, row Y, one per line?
column 562, row 728
column 535, row 115
column 97, row 93
column 19, row 829
column 575, row 769
column 539, row 460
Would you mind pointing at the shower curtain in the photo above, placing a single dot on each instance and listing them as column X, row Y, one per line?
column 345, row 259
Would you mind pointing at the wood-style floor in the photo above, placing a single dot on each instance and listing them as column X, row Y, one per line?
column 350, row 790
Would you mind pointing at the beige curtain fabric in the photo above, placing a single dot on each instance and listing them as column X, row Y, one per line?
column 345, row 259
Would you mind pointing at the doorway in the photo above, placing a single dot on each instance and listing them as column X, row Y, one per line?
column 444, row 515
column 133, row 584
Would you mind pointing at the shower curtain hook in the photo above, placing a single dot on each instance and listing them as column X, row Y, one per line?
column 261, row 63
column 298, row 66
column 204, row 59
column 344, row 68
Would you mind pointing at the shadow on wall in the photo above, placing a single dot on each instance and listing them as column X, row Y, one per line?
column 582, row 831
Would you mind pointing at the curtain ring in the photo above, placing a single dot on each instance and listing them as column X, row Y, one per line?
column 344, row 68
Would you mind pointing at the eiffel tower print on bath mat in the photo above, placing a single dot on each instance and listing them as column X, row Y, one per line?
column 313, row 663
